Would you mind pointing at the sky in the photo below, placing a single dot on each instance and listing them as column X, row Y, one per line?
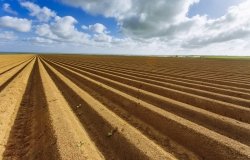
column 133, row 27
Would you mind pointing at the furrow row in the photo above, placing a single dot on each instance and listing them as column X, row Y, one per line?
column 190, row 75
column 187, row 89
column 193, row 83
column 31, row 136
column 222, row 108
column 111, row 133
column 12, row 66
column 10, row 98
column 11, row 74
column 180, row 130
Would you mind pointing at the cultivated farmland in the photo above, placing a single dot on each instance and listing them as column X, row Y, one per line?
column 121, row 107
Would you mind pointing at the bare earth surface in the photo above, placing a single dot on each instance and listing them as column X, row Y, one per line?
column 120, row 107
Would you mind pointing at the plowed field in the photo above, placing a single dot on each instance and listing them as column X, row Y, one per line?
column 120, row 107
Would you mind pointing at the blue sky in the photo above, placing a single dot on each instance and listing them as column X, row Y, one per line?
column 212, row 8
column 63, row 10
column 165, row 27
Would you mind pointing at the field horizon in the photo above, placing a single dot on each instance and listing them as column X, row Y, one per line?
column 136, row 55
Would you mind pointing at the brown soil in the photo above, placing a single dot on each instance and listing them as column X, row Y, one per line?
column 111, row 107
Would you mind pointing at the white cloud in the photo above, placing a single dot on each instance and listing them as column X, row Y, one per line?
column 153, row 18
column 62, row 29
column 7, row 36
column 108, row 8
column 235, row 24
column 41, row 40
column 44, row 30
column 102, row 37
column 166, row 21
column 43, row 14
column 18, row 24
column 6, row 7
column 98, row 28
column 100, row 32
column 144, row 18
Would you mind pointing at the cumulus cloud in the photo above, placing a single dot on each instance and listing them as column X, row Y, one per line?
column 40, row 40
column 98, row 28
column 145, row 18
column 217, row 38
column 43, row 14
column 18, row 24
column 7, row 36
column 6, row 7
column 102, row 37
column 100, row 32
column 108, row 8
column 62, row 29
column 44, row 30
column 153, row 18
column 167, row 20
column 142, row 19
column 235, row 24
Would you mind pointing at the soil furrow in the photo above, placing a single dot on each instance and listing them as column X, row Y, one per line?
column 220, row 108
column 118, row 107
column 174, row 127
column 10, row 99
column 14, row 66
column 6, row 79
column 212, row 95
column 191, row 78
column 224, row 125
column 172, row 79
column 73, row 140
column 110, row 133
column 31, row 136
column 123, row 107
